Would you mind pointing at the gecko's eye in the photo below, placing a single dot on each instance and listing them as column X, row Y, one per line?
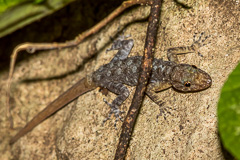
column 187, row 84
column 194, row 66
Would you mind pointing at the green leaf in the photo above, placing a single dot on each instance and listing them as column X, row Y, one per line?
column 5, row 4
column 38, row 1
column 15, row 14
column 229, row 113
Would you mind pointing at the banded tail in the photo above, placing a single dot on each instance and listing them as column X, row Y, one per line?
column 72, row 93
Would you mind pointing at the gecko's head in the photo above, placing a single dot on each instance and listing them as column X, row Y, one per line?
column 188, row 78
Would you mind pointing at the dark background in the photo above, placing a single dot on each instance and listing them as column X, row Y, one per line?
column 60, row 26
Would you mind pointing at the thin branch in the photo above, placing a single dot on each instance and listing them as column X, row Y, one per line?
column 146, row 68
column 33, row 47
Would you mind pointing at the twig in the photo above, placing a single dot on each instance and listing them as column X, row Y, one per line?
column 146, row 67
column 33, row 47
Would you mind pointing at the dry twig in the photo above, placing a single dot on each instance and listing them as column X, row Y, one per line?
column 146, row 67
column 33, row 47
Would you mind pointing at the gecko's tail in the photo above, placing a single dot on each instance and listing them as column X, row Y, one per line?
column 72, row 93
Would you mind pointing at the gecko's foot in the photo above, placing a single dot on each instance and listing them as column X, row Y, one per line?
column 114, row 110
column 199, row 41
column 163, row 111
column 119, row 42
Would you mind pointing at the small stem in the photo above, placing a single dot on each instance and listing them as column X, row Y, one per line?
column 144, row 76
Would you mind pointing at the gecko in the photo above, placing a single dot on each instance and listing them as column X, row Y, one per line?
column 123, row 70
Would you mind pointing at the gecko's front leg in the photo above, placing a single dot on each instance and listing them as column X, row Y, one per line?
column 152, row 90
column 172, row 53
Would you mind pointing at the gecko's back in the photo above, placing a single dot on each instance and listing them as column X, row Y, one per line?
column 127, row 71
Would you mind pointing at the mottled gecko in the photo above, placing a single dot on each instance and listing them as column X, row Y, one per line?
column 125, row 70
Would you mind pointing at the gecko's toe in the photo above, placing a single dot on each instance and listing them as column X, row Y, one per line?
column 164, row 110
column 114, row 110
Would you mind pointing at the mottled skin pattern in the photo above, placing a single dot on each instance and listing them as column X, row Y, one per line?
column 165, row 74
column 125, row 70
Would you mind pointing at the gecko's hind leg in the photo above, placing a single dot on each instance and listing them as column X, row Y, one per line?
column 123, row 46
column 114, row 110
column 119, row 42
column 122, row 92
